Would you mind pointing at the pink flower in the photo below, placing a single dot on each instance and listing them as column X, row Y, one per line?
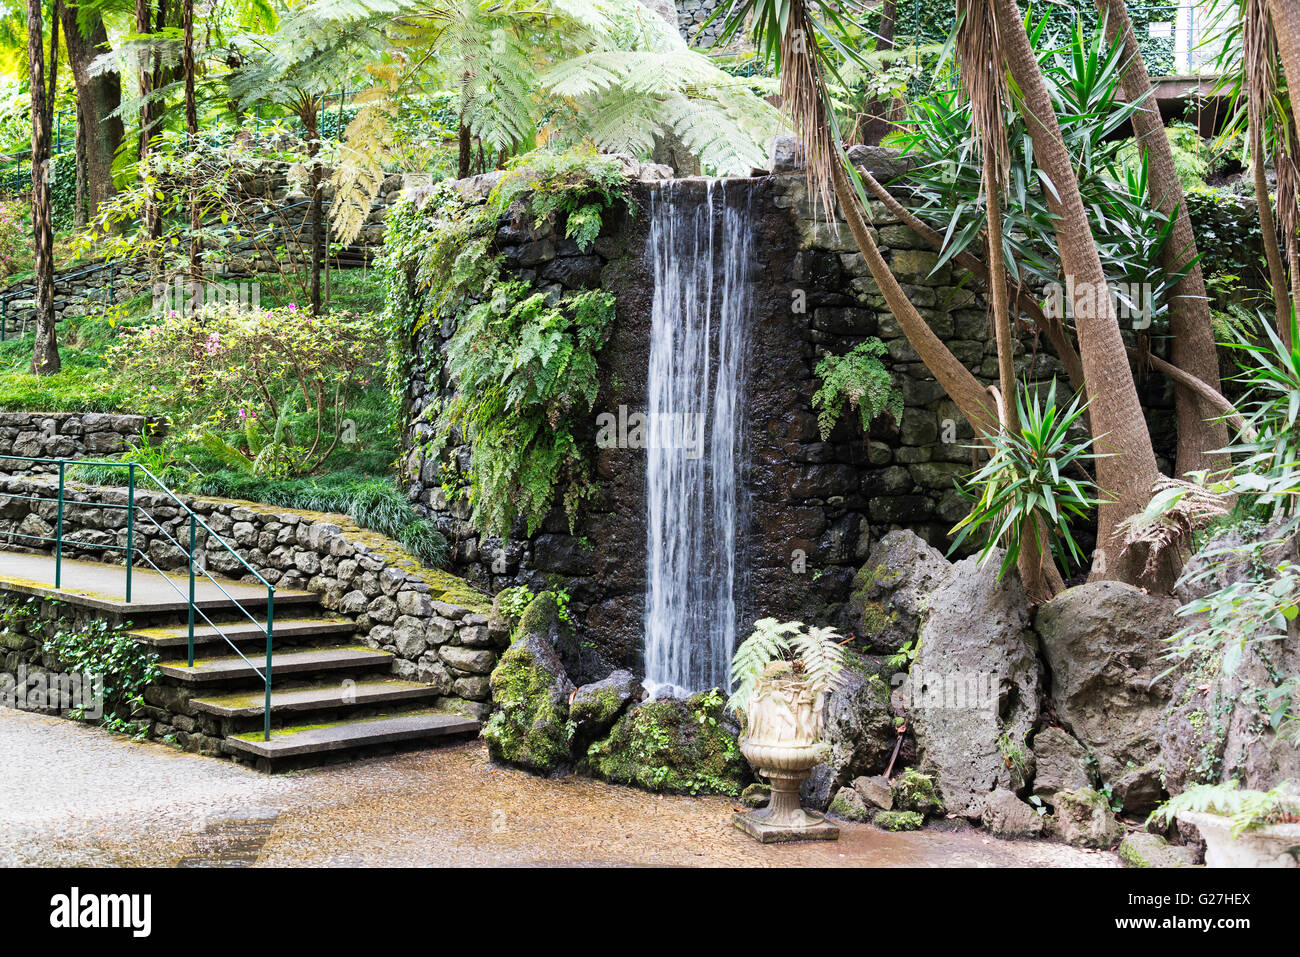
column 292, row 307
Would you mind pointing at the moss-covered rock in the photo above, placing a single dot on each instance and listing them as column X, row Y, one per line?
column 596, row 706
column 680, row 746
column 914, row 791
column 848, row 804
column 756, row 796
column 1140, row 849
column 530, row 691
column 898, row 820
column 1084, row 818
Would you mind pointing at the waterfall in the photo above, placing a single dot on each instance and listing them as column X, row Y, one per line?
column 700, row 251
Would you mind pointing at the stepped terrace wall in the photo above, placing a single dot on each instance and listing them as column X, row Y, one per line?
column 72, row 435
column 438, row 628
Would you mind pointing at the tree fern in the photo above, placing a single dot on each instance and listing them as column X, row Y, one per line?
column 817, row 651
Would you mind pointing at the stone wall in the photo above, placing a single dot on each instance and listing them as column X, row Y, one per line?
column 691, row 15
column 72, row 435
column 438, row 628
column 815, row 507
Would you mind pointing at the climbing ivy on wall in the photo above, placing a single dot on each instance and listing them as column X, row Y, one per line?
column 523, row 363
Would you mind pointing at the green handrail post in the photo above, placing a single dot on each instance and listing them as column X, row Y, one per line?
column 58, row 534
column 4, row 318
column 270, row 627
column 193, row 528
column 130, row 527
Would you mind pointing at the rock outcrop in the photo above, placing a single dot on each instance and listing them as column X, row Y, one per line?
column 1104, row 646
column 974, row 686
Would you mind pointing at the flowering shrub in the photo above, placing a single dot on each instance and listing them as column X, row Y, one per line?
column 264, row 390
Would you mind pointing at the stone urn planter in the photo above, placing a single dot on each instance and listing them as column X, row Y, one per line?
column 783, row 741
column 1273, row 845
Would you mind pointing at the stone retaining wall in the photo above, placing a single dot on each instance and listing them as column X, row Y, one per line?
column 439, row 629
column 72, row 435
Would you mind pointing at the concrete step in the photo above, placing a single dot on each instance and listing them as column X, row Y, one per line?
column 166, row 637
column 347, row 735
column 290, row 662
column 321, row 697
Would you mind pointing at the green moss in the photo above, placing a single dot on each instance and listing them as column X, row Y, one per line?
column 898, row 820
column 845, row 807
column 914, row 791
column 674, row 746
column 599, row 708
column 756, row 795
column 529, row 727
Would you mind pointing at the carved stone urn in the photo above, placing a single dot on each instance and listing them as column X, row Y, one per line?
column 783, row 741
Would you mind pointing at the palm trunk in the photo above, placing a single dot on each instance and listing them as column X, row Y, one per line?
column 98, row 96
column 45, row 354
column 1189, row 309
column 1268, row 230
column 1286, row 24
column 1127, row 469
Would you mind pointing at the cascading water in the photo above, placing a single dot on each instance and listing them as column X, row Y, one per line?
column 700, row 250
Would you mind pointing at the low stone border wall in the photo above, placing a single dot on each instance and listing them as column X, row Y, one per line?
column 440, row 629
column 72, row 435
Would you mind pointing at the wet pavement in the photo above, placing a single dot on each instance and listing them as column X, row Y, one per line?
column 76, row 795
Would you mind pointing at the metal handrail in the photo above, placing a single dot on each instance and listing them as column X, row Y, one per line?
column 130, row 551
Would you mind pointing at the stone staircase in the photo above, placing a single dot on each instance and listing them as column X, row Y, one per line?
column 332, row 698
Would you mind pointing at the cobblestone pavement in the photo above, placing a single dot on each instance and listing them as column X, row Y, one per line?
column 71, row 794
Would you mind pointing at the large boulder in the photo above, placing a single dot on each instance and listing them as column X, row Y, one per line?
column 1008, row 816
column 1219, row 722
column 974, row 686
column 596, row 706
column 893, row 589
column 675, row 745
column 530, row 694
column 1141, row 849
column 1084, row 819
column 1104, row 643
column 1060, row 763
column 860, row 731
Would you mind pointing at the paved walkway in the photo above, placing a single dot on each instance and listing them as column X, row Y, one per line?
column 75, row 795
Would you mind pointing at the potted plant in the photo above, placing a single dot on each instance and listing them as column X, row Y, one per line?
column 1242, row 828
column 781, row 674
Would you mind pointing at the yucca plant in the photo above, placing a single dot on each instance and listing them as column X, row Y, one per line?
column 1271, row 409
column 1026, row 486
column 786, row 649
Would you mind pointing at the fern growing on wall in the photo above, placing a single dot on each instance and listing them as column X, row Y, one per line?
column 858, row 381
column 522, row 365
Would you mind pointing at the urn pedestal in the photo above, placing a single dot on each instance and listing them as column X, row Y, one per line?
column 783, row 742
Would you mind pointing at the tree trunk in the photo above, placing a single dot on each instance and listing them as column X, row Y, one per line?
column 462, row 148
column 97, row 97
column 83, row 186
column 192, row 131
column 145, row 69
column 311, row 122
column 1268, row 230
column 45, row 354
column 1189, row 310
column 880, row 111
column 1286, row 24
column 1127, row 467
